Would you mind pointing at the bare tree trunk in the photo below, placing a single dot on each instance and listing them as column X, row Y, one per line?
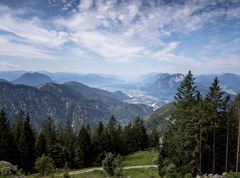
column 226, row 158
column 238, row 143
column 214, row 146
column 200, row 151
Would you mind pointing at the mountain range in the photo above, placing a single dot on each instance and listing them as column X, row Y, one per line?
column 63, row 97
column 157, row 89
column 69, row 101
column 93, row 80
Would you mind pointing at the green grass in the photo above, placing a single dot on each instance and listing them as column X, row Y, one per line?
column 131, row 173
column 142, row 173
column 140, row 158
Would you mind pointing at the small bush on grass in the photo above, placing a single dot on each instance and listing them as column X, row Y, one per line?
column 44, row 165
column 109, row 164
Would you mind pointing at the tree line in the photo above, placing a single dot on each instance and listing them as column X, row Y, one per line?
column 202, row 135
column 21, row 144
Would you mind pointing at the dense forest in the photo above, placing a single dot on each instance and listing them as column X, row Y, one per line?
column 202, row 135
column 22, row 145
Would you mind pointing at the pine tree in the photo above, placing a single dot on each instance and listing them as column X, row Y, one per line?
column 181, row 142
column 115, row 139
column 140, row 133
column 41, row 145
column 187, row 89
column 7, row 147
column 98, row 143
column 215, row 104
column 25, row 141
column 84, row 148
column 49, row 132
column 70, row 143
column 154, row 139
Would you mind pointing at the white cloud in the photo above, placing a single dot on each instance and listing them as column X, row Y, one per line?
column 33, row 30
column 7, row 66
column 13, row 49
column 109, row 48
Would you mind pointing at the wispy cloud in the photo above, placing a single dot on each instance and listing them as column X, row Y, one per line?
column 7, row 66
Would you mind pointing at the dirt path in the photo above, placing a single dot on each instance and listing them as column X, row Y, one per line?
column 71, row 173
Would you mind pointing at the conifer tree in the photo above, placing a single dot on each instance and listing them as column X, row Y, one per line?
column 7, row 147
column 49, row 132
column 154, row 138
column 70, row 143
column 215, row 105
column 181, row 142
column 84, row 148
column 98, row 143
column 25, row 141
column 41, row 145
column 140, row 132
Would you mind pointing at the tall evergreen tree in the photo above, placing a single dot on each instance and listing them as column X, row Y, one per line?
column 215, row 105
column 25, row 141
column 84, row 148
column 41, row 145
column 7, row 147
column 140, row 132
column 181, row 142
column 49, row 132
column 70, row 144
column 115, row 139
column 154, row 138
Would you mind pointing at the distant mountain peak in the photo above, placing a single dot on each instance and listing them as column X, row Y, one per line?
column 33, row 79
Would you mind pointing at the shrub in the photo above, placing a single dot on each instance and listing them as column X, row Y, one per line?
column 119, row 167
column 188, row 175
column 109, row 164
column 7, row 168
column 66, row 173
column 44, row 165
column 171, row 171
column 232, row 175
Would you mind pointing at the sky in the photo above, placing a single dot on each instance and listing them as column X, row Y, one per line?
column 120, row 37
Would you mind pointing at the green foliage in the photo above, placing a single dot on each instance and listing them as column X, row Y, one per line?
column 84, row 150
column 135, row 137
column 154, row 139
column 44, row 165
column 109, row 164
column 171, row 171
column 7, row 168
column 58, row 153
column 7, row 147
column 41, row 145
column 232, row 175
column 24, row 137
column 66, row 173
column 188, row 175
column 199, row 132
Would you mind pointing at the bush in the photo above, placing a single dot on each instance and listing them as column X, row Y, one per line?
column 7, row 168
column 109, row 164
column 171, row 171
column 119, row 167
column 232, row 175
column 66, row 173
column 44, row 165
column 188, row 175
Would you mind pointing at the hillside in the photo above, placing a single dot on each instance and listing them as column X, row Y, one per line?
column 77, row 102
column 159, row 117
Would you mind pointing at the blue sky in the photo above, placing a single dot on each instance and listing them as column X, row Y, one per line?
column 122, row 37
